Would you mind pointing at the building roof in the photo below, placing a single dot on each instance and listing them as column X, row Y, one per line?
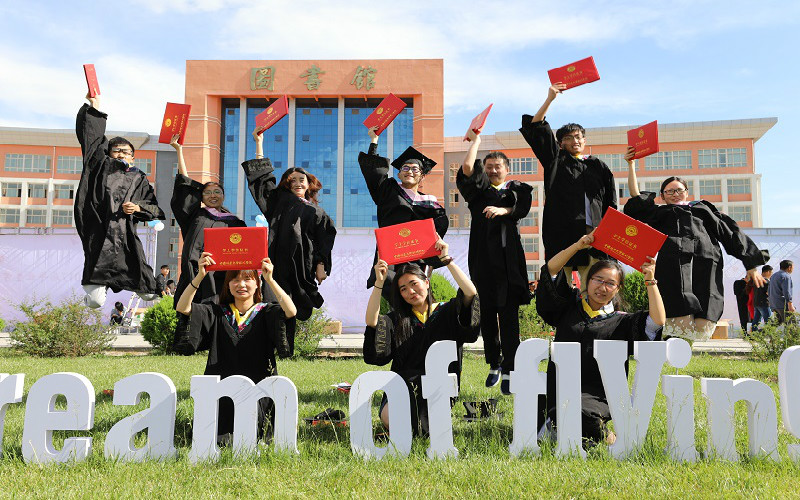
column 67, row 138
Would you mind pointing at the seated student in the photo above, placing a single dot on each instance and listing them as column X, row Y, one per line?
column 417, row 321
column 241, row 333
column 117, row 314
column 589, row 315
column 112, row 197
column 578, row 188
column 169, row 291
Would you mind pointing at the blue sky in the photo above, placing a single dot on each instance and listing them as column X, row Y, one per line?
column 678, row 61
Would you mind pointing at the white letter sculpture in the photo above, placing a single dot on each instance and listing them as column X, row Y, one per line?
column 567, row 358
column 679, row 393
column 527, row 382
column 42, row 418
column 762, row 419
column 630, row 411
column 206, row 390
column 789, row 373
column 438, row 386
column 158, row 419
column 361, row 440
column 10, row 392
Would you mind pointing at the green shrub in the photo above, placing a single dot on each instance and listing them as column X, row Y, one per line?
column 772, row 339
column 308, row 333
column 531, row 325
column 635, row 292
column 66, row 329
column 441, row 288
column 158, row 325
column 2, row 324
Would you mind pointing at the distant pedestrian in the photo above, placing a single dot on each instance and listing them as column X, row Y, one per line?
column 161, row 280
column 741, row 291
column 761, row 299
column 780, row 292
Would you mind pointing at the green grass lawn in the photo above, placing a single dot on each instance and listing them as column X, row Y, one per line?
column 327, row 468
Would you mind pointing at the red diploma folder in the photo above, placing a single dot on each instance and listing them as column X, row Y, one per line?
column 91, row 80
column 577, row 73
column 644, row 140
column 478, row 122
column 272, row 114
column 406, row 242
column 386, row 111
column 627, row 239
column 176, row 118
column 235, row 247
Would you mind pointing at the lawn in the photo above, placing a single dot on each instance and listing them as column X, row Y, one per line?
column 326, row 467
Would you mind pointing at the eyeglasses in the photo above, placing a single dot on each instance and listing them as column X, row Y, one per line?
column 217, row 192
column 674, row 191
column 126, row 152
column 575, row 137
column 608, row 284
column 413, row 170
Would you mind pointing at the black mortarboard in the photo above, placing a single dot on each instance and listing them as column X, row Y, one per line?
column 411, row 155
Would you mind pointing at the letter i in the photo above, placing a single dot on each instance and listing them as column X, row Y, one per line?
column 679, row 391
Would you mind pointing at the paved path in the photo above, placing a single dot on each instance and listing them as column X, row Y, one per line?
column 351, row 340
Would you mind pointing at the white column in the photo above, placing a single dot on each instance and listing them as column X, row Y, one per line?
column 291, row 138
column 23, row 204
column 755, row 190
column 241, row 185
column 49, row 217
column 390, row 143
column 340, row 164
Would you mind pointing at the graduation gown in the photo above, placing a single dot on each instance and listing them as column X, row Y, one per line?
column 560, row 305
column 568, row 184
column 394, row 205
column 113, row 254
column 449, row 321
column 689, row 265
column 498, row 271
column 249, row 351
column 301, row 235
column 193, row 219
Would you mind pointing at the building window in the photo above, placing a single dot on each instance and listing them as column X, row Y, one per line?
column 522, row 166
column 722, row 158
column 452, row 197
column 9, row 216
column 616, row 162
column 145, row 165
column 741, row 213
column 669, row 160
column 529, row 243
column 467, row 219
column 652, row 187
column 710, row 187
column 173, row 222
column 454, row 220
column 173, row 247
column 453, row 172
column 36, row 216
column 622, row 190
column 69, row 165
column 738, row 186
column 11, row 189
column 62, row 217
column 533, row 270
column 535, row 194
column 174, row 169
column 27, row 163
column 530, row 220
column 37, row 190
column 63, row 192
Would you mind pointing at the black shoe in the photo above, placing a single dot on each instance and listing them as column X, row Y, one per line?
column 505, row 385
column 494, row 376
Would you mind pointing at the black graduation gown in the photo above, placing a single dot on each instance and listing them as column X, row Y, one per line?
column 500, row 274
column 567, row 183
column 113, row 254
column 449, row 321
column 393, row 204
column 193, row 219
column 689, row 265
column 301, row 235
column 249, row 352
column 559, row 305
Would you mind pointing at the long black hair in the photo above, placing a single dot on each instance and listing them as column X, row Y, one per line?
column 402, row 308
column 618, row 300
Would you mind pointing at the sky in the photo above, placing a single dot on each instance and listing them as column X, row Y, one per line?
column 678, row 61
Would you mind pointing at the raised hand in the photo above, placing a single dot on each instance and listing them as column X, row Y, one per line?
column 267, row 268
column 381, row 270
column 205, row 260
column 649, row 268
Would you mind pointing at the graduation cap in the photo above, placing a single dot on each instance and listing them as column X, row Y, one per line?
column 413, row 156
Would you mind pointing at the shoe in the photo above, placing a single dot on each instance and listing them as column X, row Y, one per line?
column 505, row 385
column 494, row 377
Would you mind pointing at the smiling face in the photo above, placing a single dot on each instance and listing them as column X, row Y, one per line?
column 213, row 195
column 573, row 142
column 243, row 287
column 410, row 175
column 675, row 193
column 298, row 183
column 413, row 289
column 121, row 152
column 602, row 287
column 496, row 170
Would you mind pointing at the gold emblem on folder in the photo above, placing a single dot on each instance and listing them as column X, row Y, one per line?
column 570, row 69
column 168, row 122
column 379, row 111
column 631, row 230
column 236, row 238
column 404, row 232
column 641, row 134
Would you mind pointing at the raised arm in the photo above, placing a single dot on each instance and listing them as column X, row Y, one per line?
column 559, row 260
column 464, row 283
column 267, row 269
column 633, row 185
column 472, row 152
column 552, row 93
column 179, row 149
column 258, row 136
column 90, row 128
column 656, row 305
column 374, row 303
column 184, row 305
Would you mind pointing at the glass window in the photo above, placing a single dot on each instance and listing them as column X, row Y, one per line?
column 667, row 160
column 467, row 219
column 37, row 190
column 738, row 186
column 69, row 165
column 317, row 142
column 722, row 158
column 145, row 165
column 62, row 217
column 63, row 191
column 9, row 215
column 529, row 243
column 530, row 220
column 453, row 172
column 741, row 213
column 622, row 190
column 27, row 163
column 533, row 270
column 229, row 155
column 35, row 216
column 173, row 247
column 710, row 187
column 11, row 189
column 453, row 220
column 616, row 162
column 452, row 198
column 522, row 166
column 652, row 186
